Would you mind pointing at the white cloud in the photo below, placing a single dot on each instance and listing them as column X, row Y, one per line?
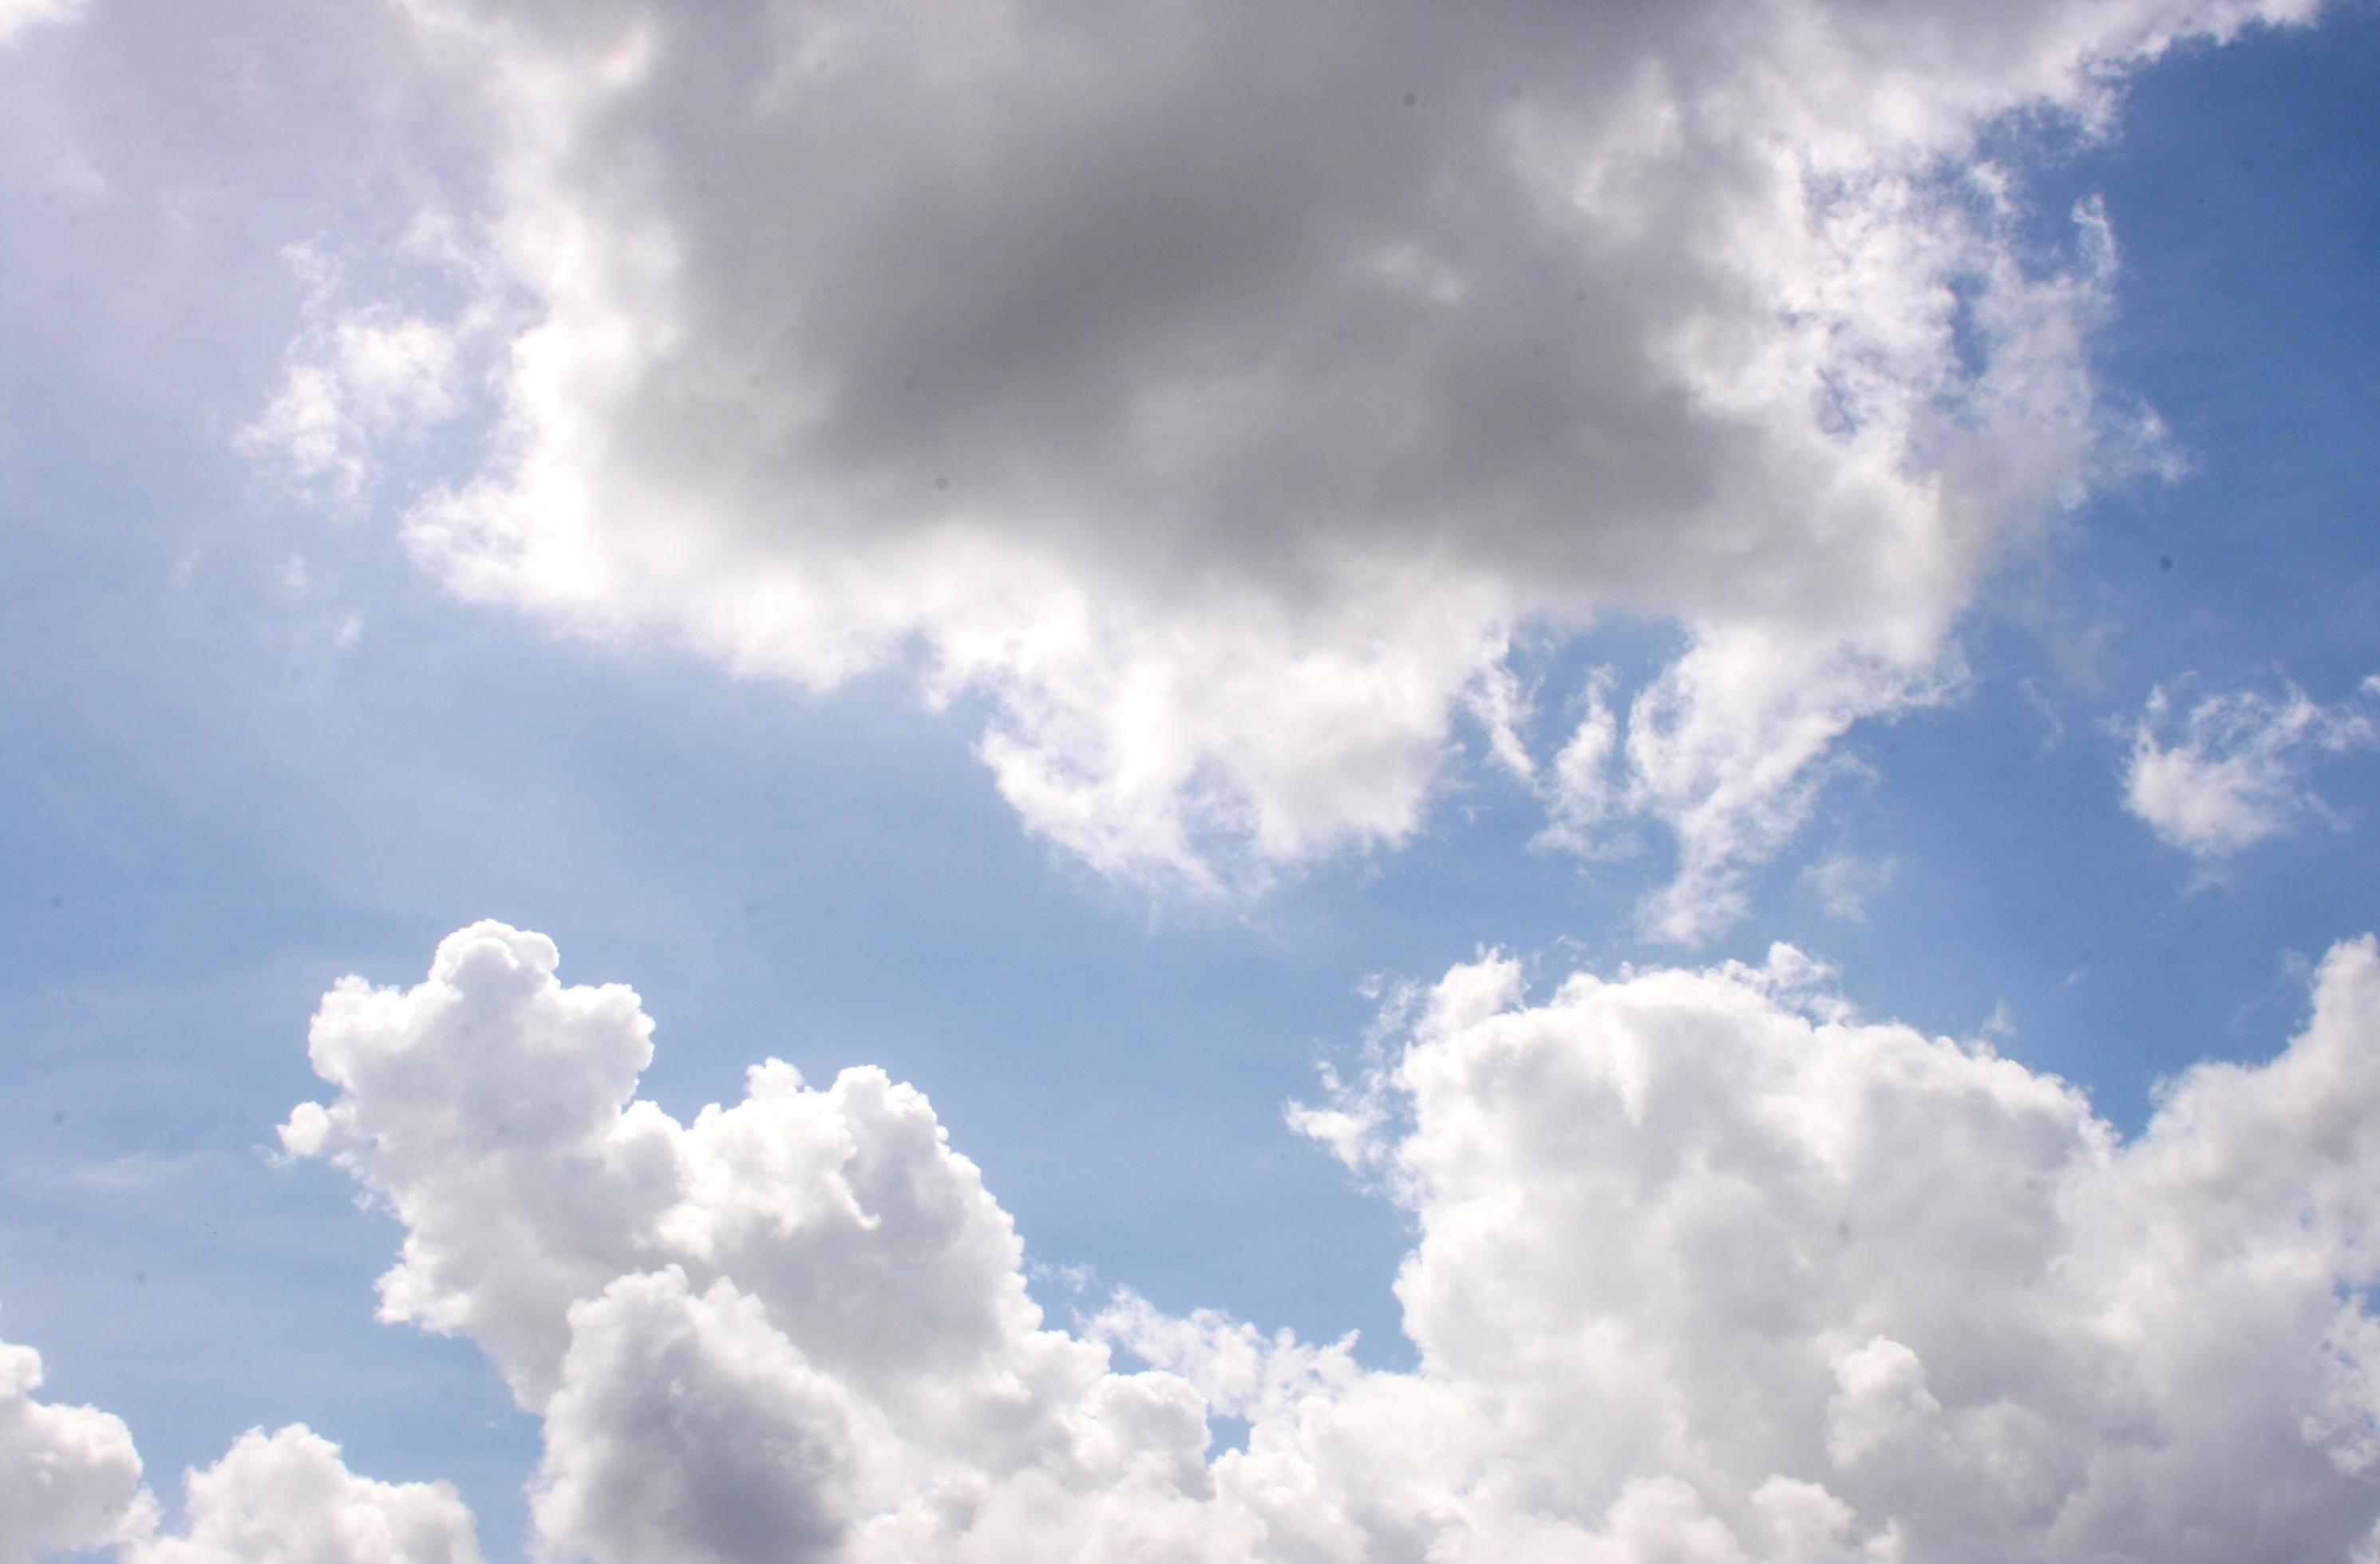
column 70, row 1480
column 289, row 1496
column 1218, row 390
column 69, row 1477
column 359, row 377
column 1705, row 1268
column 1844, row 885
column 20, row 17
column 2234, row 773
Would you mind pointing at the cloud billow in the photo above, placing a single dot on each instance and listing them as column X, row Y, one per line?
column 69, row 1477
column 1218, row 389
column 70, row 1481
column 1705, row 1268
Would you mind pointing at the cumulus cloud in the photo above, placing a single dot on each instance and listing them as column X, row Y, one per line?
column 1215, row 392
column 2232, row 772
column 69, row 1477
column 288, row 1496
column 1706, row 1267
column 70, row 1480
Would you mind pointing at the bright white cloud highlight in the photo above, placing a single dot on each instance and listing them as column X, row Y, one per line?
column 1216, row 391
column 2232, row 772
column 69, row 1477
column 19, row 17
column 1705, row 1268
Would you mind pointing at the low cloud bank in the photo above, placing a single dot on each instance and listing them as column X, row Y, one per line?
column 1706, row 1267
column 71, row 1481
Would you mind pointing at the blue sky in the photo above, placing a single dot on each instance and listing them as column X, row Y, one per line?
column 256, row 741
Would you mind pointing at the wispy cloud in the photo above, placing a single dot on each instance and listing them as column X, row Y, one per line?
column 1845, row 885
column 2234, row 769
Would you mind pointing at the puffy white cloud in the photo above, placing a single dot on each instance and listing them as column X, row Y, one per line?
column 1760, row 1242
column 1706, row 1267
column 70, row 1480
column 69, row 1477
column 776, row 1322
column 288, row 1498
column 2234, row 769
column 1216, row 391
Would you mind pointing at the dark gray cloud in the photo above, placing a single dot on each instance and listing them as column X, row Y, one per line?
column 1217, row 388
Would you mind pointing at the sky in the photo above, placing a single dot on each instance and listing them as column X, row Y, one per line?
column 929, row 782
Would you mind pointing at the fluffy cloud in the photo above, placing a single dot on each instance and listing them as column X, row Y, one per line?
column 287, row 1497
column 2234, row 773
column 1706, row 1267
column 1214, row 392
column 71, row 1480
column 69, row 1477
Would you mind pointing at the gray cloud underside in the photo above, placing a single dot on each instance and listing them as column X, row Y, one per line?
column 1216, row 389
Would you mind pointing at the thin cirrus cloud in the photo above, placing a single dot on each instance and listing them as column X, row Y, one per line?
column 2232, row 770
column 1706, row 1267
column 1845, row 886
column 1212, row 393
